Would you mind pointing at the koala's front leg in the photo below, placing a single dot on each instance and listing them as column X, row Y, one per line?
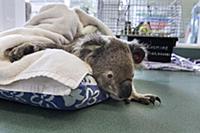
column 26, row 48
column 143, row 98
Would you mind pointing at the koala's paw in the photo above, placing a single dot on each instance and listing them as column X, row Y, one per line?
column 145, row 99
column 18, row 52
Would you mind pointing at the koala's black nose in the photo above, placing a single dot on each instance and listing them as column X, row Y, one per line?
column 125, row 89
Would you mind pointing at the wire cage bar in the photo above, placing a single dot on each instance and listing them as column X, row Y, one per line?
column 142, row 17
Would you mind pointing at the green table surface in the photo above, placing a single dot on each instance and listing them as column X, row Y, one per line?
column 178, row 113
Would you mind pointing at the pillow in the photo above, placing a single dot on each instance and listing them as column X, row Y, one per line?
column 85, row 95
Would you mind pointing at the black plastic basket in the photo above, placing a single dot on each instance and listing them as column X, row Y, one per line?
column 159, row 48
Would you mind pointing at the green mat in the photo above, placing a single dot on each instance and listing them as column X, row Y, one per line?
column 178, row 113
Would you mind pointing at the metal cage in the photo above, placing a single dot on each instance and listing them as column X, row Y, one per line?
column 142, row 17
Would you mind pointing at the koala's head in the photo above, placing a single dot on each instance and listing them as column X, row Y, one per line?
column 112, row 61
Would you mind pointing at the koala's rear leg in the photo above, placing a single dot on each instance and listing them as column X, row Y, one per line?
column 144, row 98
column 26, row 48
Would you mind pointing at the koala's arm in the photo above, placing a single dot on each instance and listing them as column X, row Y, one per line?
column 16, row 53
column 143, row 98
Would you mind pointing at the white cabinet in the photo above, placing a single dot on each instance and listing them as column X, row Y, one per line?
column 12, row 14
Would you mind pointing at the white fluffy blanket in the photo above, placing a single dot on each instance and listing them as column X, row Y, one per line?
column 55, row 64
column 54, row 24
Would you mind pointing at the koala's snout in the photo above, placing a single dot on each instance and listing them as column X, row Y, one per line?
column 125, row 89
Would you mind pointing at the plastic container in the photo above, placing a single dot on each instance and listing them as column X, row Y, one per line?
column 159, row 48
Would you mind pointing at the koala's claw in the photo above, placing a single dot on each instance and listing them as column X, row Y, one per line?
column 127, row 101
column 146, row 99
column 153, row 99
column 20, row 51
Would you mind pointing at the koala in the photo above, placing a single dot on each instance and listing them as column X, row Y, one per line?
column 112, row 60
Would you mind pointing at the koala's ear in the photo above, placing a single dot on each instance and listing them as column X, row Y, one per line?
column 94, row 41
column 92, row 45
column 138, row 52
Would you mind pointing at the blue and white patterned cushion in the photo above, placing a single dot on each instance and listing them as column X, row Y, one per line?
column 86, row 94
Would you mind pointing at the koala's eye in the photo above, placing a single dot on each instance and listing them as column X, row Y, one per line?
column 109, row 75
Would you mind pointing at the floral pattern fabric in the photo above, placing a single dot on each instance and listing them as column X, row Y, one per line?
column 86, row 94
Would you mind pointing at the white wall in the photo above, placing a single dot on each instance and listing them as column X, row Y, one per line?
column 12, row 14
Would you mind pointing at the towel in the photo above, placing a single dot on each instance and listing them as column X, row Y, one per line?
column 57, row 24
column 59, row 65
column 177, row 63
